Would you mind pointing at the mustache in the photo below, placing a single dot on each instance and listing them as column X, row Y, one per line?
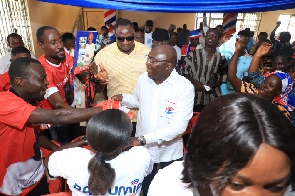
column 61, row 50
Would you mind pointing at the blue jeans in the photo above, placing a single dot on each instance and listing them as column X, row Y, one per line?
column 148, row 179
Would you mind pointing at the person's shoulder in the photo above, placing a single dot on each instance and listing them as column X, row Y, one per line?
column 182, row 81
column 173, row 185
column 9, row 96
column 141, row 48
column 73, row 153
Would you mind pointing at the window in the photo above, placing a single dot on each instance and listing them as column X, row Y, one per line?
column 14, row 19
column 245, row 20
column 287, row 24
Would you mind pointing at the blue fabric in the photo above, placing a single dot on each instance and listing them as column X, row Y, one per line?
column 188, row 6
column 250, row 44
column 243, row 65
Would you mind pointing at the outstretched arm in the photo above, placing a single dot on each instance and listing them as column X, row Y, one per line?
column 262, row 51
column 232, row 71
column 272, row 34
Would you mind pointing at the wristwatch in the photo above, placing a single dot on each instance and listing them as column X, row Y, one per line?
column 141, row 140
column 85, row 140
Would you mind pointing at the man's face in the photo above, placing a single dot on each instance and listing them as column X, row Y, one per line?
column 52, row 45
column 244, row 41
column 13, row 58
column 104, row 31
column 15, row 41
column 194, row 41
column 171, row 28
column 211, row 38
column 173, row 39
column 139, row 37
column 156, row 64
column 125, row 38
column 36, row 83
column 148, row 29
column 280, row 63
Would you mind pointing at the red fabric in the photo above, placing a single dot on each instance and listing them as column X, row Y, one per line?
column 57, row 76
column 184, row 49
column 4, row 82
column 16, row 138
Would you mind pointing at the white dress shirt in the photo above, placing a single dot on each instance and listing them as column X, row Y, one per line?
column 164, row 112
column 5, row 62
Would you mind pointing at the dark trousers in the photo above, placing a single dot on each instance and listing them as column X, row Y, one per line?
column 40, row 189
column 148, row 179
column 64, row 134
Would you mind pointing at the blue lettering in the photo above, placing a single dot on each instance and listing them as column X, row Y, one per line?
column 116, row 191
column 138, row 186
column 76, row 186
column 125, row 191
column 86, row 190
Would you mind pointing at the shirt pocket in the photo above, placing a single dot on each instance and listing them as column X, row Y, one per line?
column 167, row 110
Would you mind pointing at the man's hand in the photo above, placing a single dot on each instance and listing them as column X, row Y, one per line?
column 199, row 86
column 263, row 50
column 118, row 97
column 93, row 68
column 102, row 75
column 133, row 141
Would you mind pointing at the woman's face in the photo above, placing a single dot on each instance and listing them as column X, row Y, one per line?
column 270, row 88
column 267, row 174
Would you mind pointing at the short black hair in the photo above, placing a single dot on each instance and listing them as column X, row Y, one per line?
column 141, row 30
column 40, row 32
column 160, row 34
column 264, row 34
column 91, row 29
column 20, row 68
column 67, row 36
column 123, row 22
column 285, row 36
column 287, row 52
column 18, row 50
column 12, row 35
column 149, row 23
column 245, row 33
column 103, row 27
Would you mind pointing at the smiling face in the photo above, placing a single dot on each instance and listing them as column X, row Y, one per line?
column 36, row 83
column 271, row 87
column 90, row 38
column 211, row 38
column 267, row 173
column 125, row 31
column 52, row 46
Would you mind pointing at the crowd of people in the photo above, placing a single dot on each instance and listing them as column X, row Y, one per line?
column 241, row 144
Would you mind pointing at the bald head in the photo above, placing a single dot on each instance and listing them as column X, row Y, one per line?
column 166, row 52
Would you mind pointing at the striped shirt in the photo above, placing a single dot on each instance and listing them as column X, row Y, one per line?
column 197, row 66
column 123, row 69
column 250, row 88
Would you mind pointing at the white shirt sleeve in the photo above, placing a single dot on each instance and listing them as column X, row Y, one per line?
column 132, row 101
column 178, row 121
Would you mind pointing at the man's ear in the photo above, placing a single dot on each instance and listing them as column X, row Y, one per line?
column 40, row 45
column 19, row 81
column 168, row 66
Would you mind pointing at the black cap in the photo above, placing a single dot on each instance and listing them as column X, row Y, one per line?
column 160, row 35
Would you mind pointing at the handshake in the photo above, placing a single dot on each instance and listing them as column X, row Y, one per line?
column 111, row 104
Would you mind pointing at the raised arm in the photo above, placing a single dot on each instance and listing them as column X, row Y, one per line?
column 273, row 33
column 261, row 51
column 232, row 71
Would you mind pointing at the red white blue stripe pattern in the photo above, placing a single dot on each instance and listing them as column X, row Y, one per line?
column 110, row 17
column 229, row 23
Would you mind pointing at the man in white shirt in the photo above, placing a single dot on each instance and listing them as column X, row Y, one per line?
column 13, row 40
column 173, row 42
column 148, row 28
column 165, row 101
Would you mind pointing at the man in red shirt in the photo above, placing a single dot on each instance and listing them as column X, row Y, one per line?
column 16, row 52
column 60, row 93
column 21, row 166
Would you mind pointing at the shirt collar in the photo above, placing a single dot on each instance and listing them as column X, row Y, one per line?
column 169, row 80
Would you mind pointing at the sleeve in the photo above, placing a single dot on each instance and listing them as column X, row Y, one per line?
column 4, row 82
column 146, row 159
column 97, row 59
column 255, row 78
column 179, row 120
column 62, row 163
column 184, row 50
column 187, row 65
column 16, row 112
column 222, row 69
column 132, row 101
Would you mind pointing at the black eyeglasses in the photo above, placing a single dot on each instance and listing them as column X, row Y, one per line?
column 153, row 60
column 121, row 39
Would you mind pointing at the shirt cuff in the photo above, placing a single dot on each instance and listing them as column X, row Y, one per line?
column 150, row 138
column 50, row 91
